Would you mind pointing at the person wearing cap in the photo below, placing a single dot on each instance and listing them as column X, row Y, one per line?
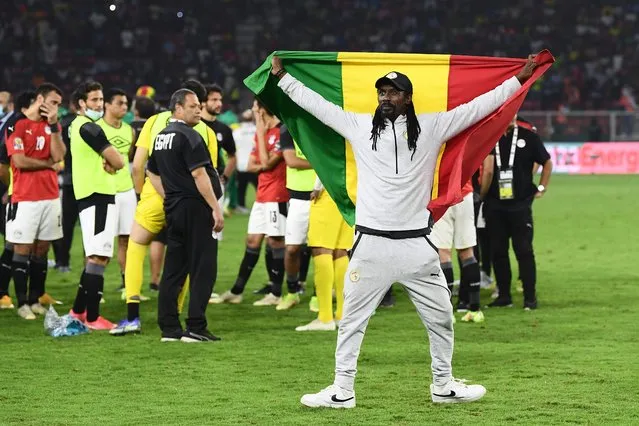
column 396, row 153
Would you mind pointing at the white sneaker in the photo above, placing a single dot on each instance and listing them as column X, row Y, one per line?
column 332, row 397
column 456, row 391
column 214, row 296
column 226, row 297
column 268, row 300
column 317, row 325
column 486, row 280
column 37, row 308
column 25, row 312
column 455, row 291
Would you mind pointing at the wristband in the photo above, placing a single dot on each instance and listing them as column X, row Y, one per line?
column 280, row 73
column 54, row 128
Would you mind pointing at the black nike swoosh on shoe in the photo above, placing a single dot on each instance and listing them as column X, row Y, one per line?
column 452, row 394
column 201, row 337
column 335, row 399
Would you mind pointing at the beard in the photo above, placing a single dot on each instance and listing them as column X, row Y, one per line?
column 387, row 110
column 212, row 111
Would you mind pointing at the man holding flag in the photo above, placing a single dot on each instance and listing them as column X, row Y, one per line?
column 397, row 153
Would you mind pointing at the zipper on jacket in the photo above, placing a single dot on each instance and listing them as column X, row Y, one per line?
column 395, row 137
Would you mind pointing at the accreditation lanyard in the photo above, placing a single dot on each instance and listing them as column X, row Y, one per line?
column 506, row 174
column 513, row 146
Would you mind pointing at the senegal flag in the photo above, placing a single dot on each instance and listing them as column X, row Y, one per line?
column 347, row 79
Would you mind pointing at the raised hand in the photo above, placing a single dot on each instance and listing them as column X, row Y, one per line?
column 527, row 71
column 276, row 65
column 50, row 112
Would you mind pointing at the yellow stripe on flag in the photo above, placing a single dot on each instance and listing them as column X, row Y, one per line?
column 434, row 192
column 351, row 174
column 428, row 73
column 360, row 71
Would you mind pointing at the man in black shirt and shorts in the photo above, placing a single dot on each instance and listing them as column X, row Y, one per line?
column 509, row 191
column 181, row 169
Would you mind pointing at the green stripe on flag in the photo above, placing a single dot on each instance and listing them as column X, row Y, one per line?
column 322, row 146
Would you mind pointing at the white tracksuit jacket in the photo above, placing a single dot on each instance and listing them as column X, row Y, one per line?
column 393, row 191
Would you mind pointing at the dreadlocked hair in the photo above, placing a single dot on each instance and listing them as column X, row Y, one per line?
column 413, row 128
column 378, row 126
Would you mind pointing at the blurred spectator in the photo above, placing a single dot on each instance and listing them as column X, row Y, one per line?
column 595, row 134
column 629, row 105
column 224, row 40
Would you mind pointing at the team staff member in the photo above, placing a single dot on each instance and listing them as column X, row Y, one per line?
column 62, row 247
column 95, row 162
column 509, row 191
column 150, row 218
column 268, row 215
column 482, row 249
column 191, row 188
column 121, row 136
column 392, row 223
column 34, row 147
column 300, row 180
column 22, row 102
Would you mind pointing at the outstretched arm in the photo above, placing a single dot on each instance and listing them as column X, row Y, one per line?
column 344, row 123
column 453, row 122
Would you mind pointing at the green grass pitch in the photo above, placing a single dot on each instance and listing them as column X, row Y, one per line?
column 572, row 361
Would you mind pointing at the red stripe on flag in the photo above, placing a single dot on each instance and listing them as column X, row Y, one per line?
column 470, row 77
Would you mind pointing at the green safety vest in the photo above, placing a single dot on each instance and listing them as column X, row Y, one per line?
column 300, row 180
column 121, row 139
column 89, row 176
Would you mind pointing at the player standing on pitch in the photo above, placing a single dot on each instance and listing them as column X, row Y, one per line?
column 34, row 145
column 394, row 186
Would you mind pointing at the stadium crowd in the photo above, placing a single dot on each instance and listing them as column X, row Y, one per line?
column 144, row 43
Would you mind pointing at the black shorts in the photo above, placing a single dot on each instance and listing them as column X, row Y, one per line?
column 161, row 237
